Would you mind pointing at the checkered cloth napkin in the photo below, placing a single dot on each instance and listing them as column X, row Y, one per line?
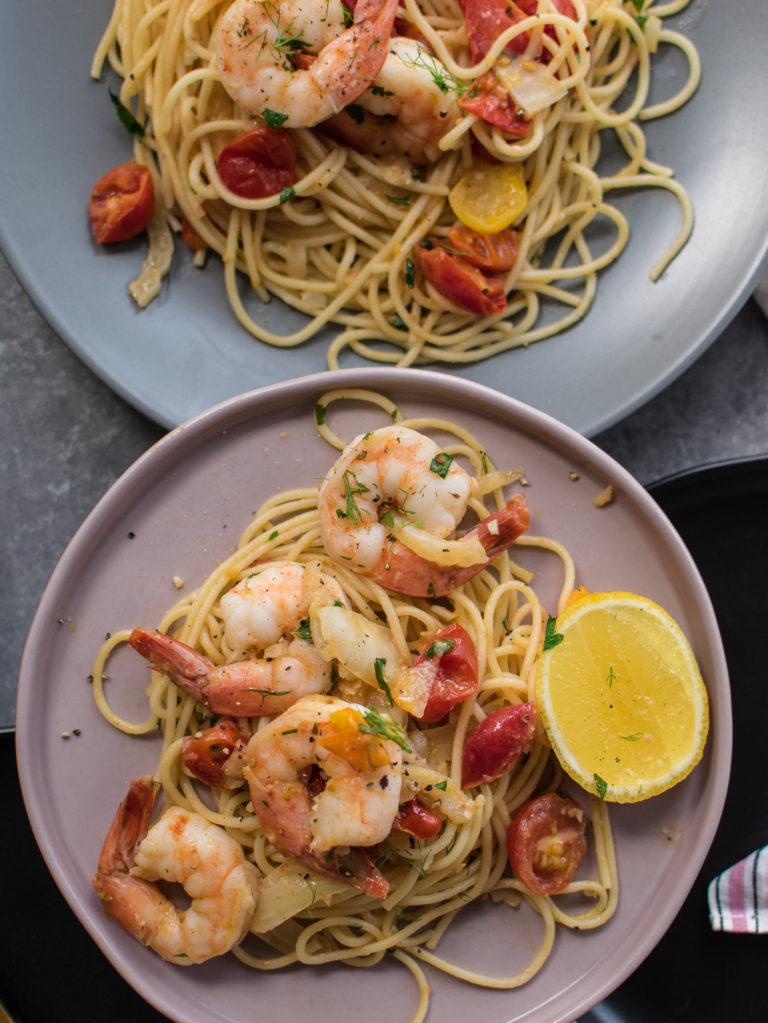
column 738, row 898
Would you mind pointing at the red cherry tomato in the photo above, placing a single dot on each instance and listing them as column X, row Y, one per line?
column 121, row 203
column 191, row 237
column 415, row 819
column 545, row 843
column 486, row 20
column 493, row 104
column 495, row 251
column 462, row 283
column 205, row 755
column 453, row 657
column 258, row 163
column 496, row 744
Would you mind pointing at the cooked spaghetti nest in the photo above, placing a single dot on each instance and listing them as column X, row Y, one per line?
column 342, row 243
column 302, row 916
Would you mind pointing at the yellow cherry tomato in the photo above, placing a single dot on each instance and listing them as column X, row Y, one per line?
column 489, row 196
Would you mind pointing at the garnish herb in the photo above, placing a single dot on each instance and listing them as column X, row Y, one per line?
column 286, row 194
column 374, row 723
column 357, row 113
column 552, row 638
column 319, row 414
column 379, row 90
column 443, row 79
column 442, row 785
column 381, row 682
column 399, row 200
column 398, row 323
column 602, row 786
column 290, row 731
column 274, row 118
column 268, row 692
column 353, row 513
column 441, row 464
column 304, row 632
column 631, row 738
column 430, row 590
column 610, row 677
column 127, row 119
column 438, row 647
column 272, row 536
column 410, row 273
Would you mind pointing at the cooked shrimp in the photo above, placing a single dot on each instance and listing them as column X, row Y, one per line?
column 270, row 604
column 408, row 108
column 182, row 847
column 389, row 503
column 254, row 40
column 323, row 779
column 250, row 688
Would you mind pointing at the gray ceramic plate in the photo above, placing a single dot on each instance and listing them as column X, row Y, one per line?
column 186, row 352
column 177, row 511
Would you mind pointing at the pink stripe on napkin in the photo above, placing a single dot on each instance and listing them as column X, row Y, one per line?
column 738, row 898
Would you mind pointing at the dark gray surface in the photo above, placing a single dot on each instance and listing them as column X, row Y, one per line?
column 67, row 437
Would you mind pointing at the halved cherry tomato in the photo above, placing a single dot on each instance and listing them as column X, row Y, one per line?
column 453, row 656
column 191, row 237
column 488, row 100
column 205, row 754
column 415, row 819
column 495, row 250
column 496, row 744
column 462, row 283
column 259, row 163
column 546, row 844
column 121, row 203
column 486, row 20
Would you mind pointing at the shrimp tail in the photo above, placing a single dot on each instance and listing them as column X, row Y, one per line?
column 128, row 900
column 130, row 825
column 348, row 66
column 358, row 869
column 500, row 530
column 182, row 663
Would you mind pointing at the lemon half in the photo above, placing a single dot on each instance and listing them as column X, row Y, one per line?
column 621, row 697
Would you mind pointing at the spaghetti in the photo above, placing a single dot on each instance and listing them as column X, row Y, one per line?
column 321, row 916
column 380, row 189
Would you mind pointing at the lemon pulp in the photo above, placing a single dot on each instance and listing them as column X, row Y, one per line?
column 622, row 698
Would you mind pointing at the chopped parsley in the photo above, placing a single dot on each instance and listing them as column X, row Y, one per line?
column 551, row 637
column 274, row 119
column 286, row 194
column 304, row 632
column 319, row 414
column 127, row 119
column 399, row 200
column 410, row 273
column 602, row 786
column 441, row 464
column 438, row 647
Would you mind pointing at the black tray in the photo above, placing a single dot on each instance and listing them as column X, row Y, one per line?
column 51, row 971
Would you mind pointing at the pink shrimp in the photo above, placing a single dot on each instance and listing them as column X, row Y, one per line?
column 180, row 847
column 322, row 778
column 250, row 688
column 395, row 485
column 255, row 39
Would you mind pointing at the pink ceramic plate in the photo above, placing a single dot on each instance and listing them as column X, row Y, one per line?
column 178, row 510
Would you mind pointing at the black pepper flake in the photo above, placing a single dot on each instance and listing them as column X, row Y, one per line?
column 131, row 535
